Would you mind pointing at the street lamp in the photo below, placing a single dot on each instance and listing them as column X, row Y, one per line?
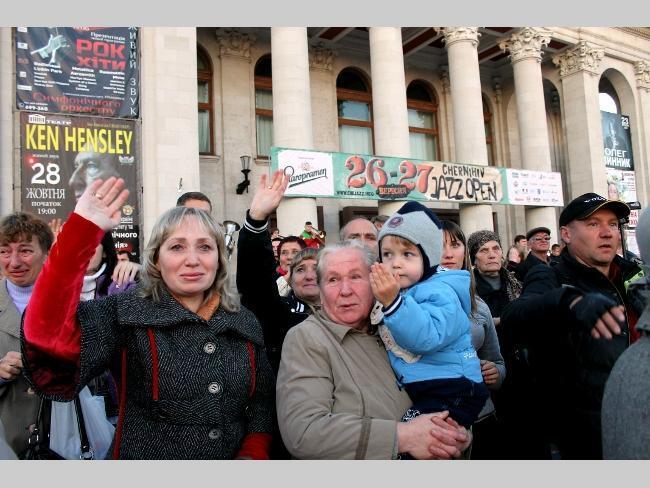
column 245, row 168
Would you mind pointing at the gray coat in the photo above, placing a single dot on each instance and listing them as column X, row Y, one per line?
column 18, row 402
column 486, row 343
column 203, row 410
column 626, row 402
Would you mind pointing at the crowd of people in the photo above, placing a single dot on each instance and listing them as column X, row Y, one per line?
column 405, row 340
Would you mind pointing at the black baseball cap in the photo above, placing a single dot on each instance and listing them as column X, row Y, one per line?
column 582, row 207
column 534, row 231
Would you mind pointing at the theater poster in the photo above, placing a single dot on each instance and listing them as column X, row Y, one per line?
column 617, row 143
column 61, row 155
column 78, row 70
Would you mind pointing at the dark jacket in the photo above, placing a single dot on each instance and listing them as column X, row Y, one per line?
column 497, row 299
column 530, row 261
column 570, row 365
column 203, row 410
column 256, row 277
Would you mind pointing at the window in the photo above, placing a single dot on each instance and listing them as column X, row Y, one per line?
column 607, row 97
column 263, row 106
column 489, row 133
column 354, row 103
column 204, row 91
column 423, row 123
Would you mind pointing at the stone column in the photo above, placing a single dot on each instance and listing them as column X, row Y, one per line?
column 390, row 116
column 642, row 161
column 580, row 76
column 292, row 120
column 237, row 103
column 7, row 104
column 170, row 129
column 467, row 105
column 525, row 49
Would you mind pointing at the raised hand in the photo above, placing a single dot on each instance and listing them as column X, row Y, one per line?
column 268, row 195
column 384, row 285
column 102, row 201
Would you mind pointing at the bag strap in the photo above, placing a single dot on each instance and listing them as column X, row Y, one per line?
column 87, row 453
column 251, row 360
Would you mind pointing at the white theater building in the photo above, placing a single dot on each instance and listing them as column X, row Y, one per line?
column 513, row 97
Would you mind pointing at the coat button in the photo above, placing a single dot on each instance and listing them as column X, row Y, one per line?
column 209, row 347
column 214, row 388
column 214, row 434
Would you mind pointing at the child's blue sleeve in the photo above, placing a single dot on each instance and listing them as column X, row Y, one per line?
column 426, row 326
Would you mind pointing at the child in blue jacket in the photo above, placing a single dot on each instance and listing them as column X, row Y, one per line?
column 426, row 327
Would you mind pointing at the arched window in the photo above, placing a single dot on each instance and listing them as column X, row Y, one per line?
column 423, row 121
column 489, row 131
column 354, row 103
column 204, row 91
column 264, row 106
column 607, row 97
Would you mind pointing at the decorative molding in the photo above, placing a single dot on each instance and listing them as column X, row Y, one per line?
column 526, row 44
column 321, row 57
column 455, row 34
column 496, row 86
column 642, row 73
column 233, row 42
column 637, row 31
column 582, row 57
column 443, row 72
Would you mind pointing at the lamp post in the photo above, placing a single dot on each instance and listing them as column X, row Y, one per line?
column 245, row 168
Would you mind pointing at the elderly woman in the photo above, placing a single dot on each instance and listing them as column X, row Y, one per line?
column 195, row 381
column 455, row 255
column 336, row 394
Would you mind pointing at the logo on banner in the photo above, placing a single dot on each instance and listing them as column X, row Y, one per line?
column 36, row 119
column 309, row 173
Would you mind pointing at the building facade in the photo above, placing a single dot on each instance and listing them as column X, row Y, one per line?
column 526, row 98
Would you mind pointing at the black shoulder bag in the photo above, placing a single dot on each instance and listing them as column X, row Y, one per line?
column 39, row 439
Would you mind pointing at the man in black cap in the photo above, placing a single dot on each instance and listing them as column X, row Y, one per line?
column 538, row 242
column 575, row 319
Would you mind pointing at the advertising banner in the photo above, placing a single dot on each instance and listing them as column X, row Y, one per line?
column 621, row 185
column 617, row 143
column 61, row 155
column 78, row 70
column 343, row 175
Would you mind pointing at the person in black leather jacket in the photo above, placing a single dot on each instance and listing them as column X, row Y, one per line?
column 256, row 272
column 576, row 319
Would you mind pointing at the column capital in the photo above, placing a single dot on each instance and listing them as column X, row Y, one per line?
column 443, row 72
column 321, row 57
column 455, row 34
column 582, row 57
column 233, row 42
column 642, row 73
column 527, row 43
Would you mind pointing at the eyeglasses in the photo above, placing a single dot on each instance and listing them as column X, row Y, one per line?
column 547, row 238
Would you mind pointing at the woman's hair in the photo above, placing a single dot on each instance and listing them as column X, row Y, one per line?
column 306, row 253
column 367, row 255
column 20, row 226
column 152, row 283
column 456, row 234
column 109, row 257
column 287, row 239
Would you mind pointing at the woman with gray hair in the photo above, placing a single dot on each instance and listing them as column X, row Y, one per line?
column 337, row 396
column 195, row 382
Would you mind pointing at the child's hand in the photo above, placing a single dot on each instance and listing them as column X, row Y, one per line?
column 384, row 285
